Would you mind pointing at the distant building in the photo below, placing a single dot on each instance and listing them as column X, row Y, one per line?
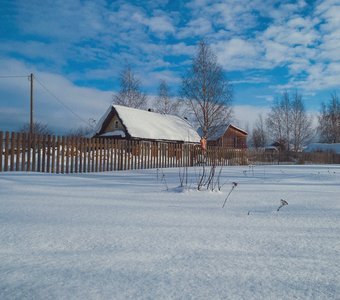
column 228, row 136
column 121, row 122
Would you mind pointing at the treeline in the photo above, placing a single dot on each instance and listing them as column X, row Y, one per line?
column 289, row 127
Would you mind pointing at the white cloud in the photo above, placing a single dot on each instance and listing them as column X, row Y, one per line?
column 268, row 98
column 157, row 24
column 237, row 54
column 246, row 115
column 196, row 27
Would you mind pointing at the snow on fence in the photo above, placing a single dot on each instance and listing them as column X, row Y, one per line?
column 59, row 154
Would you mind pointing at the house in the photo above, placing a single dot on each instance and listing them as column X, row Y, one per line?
column 121, row 122
column 228, row 136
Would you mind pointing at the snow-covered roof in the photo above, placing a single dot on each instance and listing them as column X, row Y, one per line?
column 150, row 125
column 323, row 147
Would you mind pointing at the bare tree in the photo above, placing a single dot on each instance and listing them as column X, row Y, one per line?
column 130, row 94
column 82, row 131
column 38, row 128
column 302, row 130
column 164, row 104
column 278, row 121
column 206, row 91
column 259, row 136
column 329, row 120
column 288, row 122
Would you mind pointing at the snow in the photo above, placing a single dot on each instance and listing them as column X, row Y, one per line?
column 151, row 125
column 123, row 235
column 323, row 147
column 119, row 133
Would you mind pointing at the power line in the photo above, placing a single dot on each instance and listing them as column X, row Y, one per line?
column 62, row 103
column 14, row 76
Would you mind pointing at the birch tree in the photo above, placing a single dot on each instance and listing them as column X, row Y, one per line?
column 130, row 93
column 259, row 136
column 288, row 123
column 206, row 91
column 329, row 120
column 302, row 130
column 164, row 104
column 276, row 125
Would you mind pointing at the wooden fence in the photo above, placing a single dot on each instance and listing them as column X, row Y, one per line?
column 59, row 154
column 262, row 157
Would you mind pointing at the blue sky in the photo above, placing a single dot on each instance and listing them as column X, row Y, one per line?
column 77, row 49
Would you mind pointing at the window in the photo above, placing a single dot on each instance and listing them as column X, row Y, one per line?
column 116, row 124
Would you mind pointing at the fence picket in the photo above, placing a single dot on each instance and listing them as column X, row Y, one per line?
column 28, row 149
column 92, row 155
column 17, row 152
column 6, row 151
column 72, row 152
column 67, row 146
column 88, row 152
column 23, row 152
column 76, row 154
column 53, row 148
column 62, row 150
column 58, row 155
column 38, row 151
column 1, row 149
column 33, row 151
column 12, row 142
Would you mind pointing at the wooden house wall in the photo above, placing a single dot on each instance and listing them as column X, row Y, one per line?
column 232, row 138
column 114, row 124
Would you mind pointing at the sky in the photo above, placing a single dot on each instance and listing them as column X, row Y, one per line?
column 77, row 49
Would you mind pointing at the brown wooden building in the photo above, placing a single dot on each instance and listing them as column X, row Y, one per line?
column 229, row 136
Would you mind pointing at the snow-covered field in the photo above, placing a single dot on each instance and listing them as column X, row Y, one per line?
column 124, row 236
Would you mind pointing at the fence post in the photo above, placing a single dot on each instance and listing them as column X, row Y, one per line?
column 132, row 145
column 6, row 151
column 1, row 149
column 96, row 157
column 12, row 142
column 84, row 153
column 29, row 145
column 38, row 149
column 106, row 159
column 110, row 155
column 62, row 150
column 17, row 152
column 76, row 153
column 92, row 154
column 67, row 153
column 43, row 158
column 23, row 151
column 89, row 151
column 48, row 163
column 33, row 147
column 58, row 155
column 80, row 154
column 120, row 154
column 71, row 139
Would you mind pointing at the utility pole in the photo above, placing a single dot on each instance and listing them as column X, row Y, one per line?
column 31, row 104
